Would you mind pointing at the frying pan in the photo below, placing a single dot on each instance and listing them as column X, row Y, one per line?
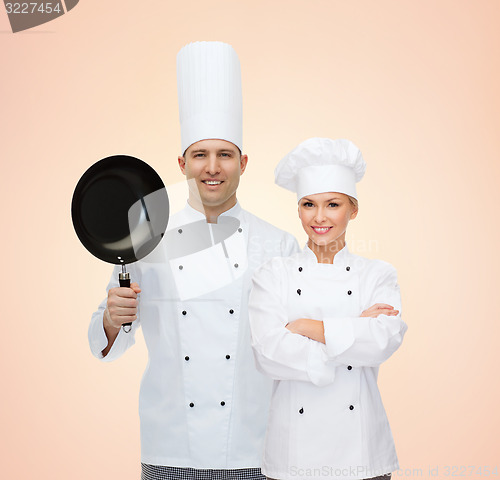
column 120, row 212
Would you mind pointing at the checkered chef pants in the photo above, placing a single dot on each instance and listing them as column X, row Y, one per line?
column 386, row 476
column 160, row 472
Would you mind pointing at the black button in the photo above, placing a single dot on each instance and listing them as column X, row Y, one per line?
column 186, row 358
column 240, row 230
column 349, row 367
column 180, row 267
column 300, row 269
column 351, row 407
column 223, row 403
column 301, row 411
column 191, row 404
column 348, row 292
column 184, row 312
column 347, row 268
column 228, row 357
column 236, row 265
column 231, row 311
column 180, row 230
column 299, row 291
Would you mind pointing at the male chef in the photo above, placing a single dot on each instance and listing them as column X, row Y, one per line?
column 203, row 405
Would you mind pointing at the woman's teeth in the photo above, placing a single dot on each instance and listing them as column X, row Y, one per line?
column 321, row 229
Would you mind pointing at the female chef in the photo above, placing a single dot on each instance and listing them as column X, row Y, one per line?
column 322, row 322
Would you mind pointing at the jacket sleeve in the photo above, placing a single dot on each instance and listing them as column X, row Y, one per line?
column 365, row 341
column 97, row 336
column 279, row 353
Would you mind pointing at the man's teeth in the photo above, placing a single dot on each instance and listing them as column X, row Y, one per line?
column 212, row 182
column 321, row 229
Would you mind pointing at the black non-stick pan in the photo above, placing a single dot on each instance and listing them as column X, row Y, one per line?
column 120, row 211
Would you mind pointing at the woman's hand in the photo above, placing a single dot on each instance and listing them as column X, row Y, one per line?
column 379, row 309
column 308, row 327
column 315, row 330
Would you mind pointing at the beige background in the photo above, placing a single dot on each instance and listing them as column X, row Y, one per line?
column 413, row 83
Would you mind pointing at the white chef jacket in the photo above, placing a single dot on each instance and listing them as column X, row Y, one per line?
column 202, row 402
column 326, row 419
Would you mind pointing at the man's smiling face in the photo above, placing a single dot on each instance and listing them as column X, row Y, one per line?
column 215, row 166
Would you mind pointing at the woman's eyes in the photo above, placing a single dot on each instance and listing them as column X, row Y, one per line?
column 309, row 204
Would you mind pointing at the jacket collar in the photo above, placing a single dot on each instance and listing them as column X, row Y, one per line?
column 193, row 215
column 340, row 259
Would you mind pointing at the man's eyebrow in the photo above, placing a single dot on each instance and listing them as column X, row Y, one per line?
column 204, row 150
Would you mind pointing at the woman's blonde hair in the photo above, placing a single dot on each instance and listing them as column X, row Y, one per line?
column 353, row 201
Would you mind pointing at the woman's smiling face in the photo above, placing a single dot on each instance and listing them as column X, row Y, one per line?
column 325, row 217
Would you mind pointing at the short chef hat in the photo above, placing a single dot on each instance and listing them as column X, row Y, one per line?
column 209, row 92
column 321, row 165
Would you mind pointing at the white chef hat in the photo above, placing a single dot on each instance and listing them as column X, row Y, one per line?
column 209, row 93
column 320, row 165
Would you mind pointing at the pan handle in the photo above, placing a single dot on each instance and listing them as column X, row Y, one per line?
column 124, row 279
